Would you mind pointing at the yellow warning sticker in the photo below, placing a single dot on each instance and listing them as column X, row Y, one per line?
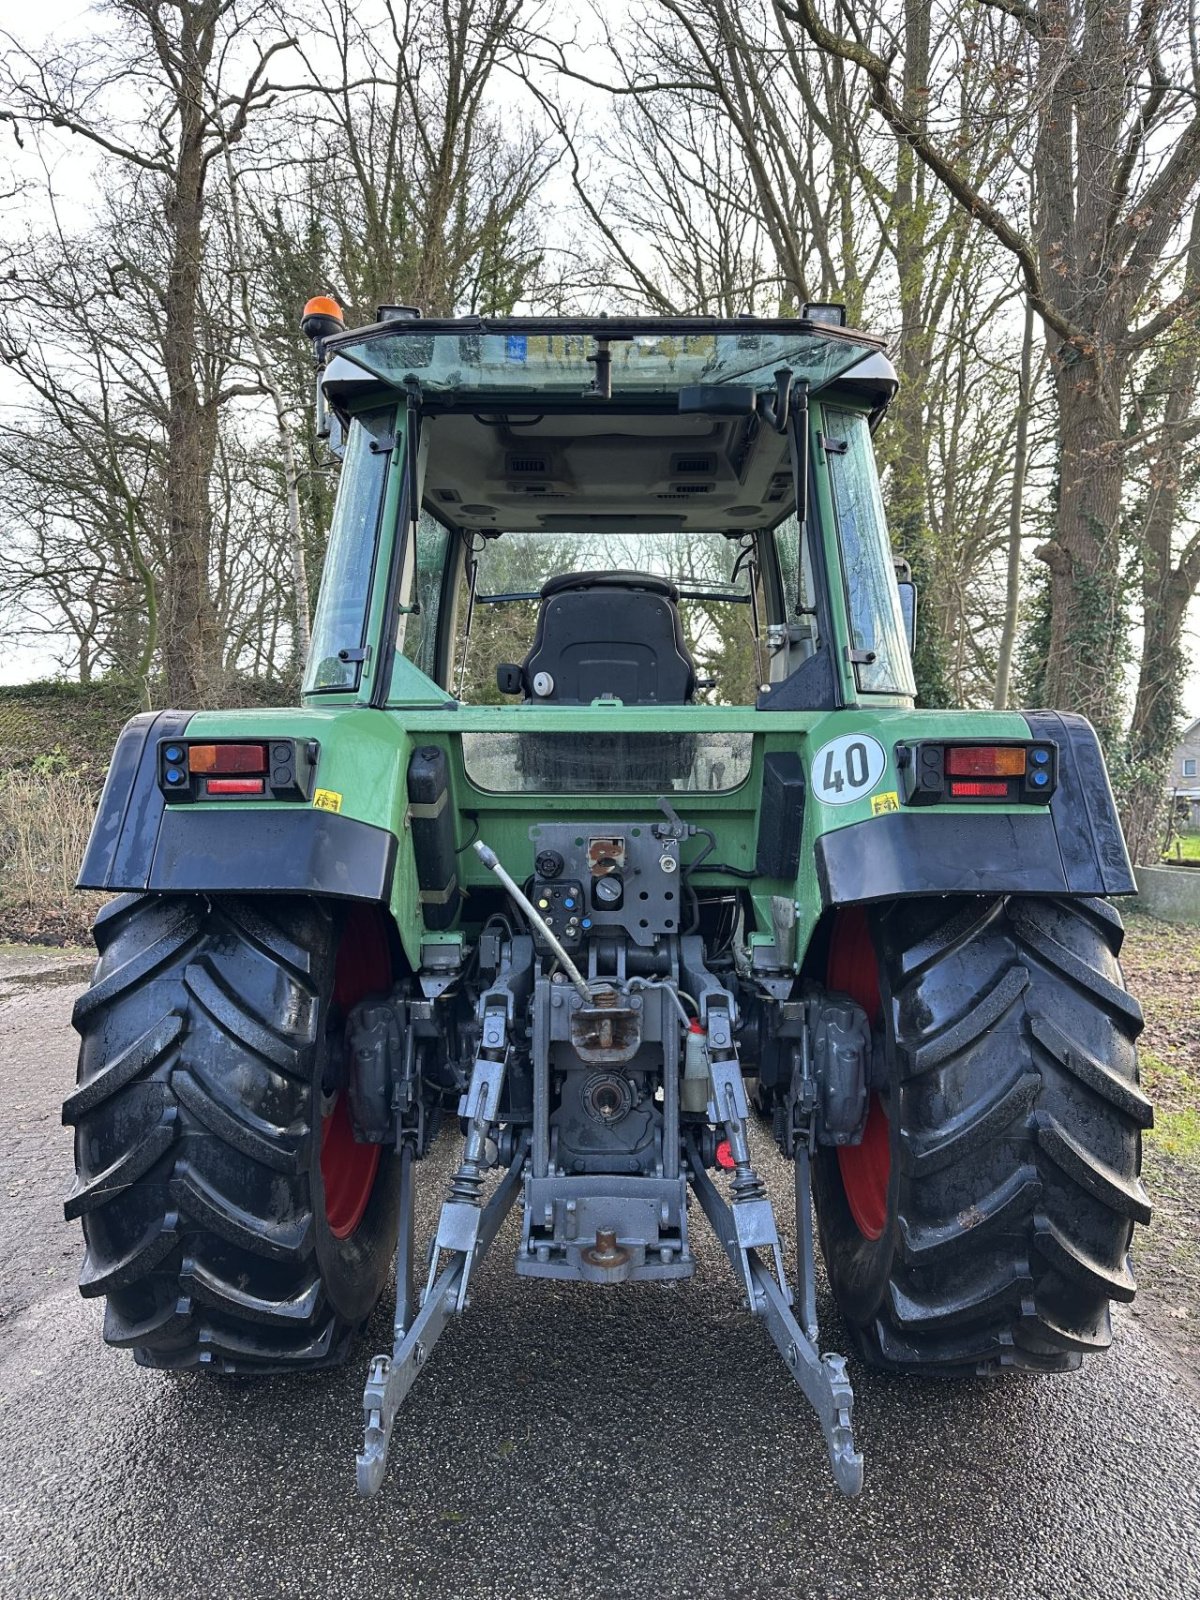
column 881, row 803
column 327, row 800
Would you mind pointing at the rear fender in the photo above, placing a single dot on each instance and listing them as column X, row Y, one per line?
column 1074, row 846
column 140, row 843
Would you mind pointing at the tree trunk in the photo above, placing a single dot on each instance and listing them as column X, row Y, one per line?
column 285, row 429
column 1012, row 598
column 1142, row 786
column 190, row 639
column 907, row 436
column 1088, row 630
column 1167, row 588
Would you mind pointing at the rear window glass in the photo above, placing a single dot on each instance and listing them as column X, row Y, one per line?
column 607, row 763
column 341, row 619
column 417, row 627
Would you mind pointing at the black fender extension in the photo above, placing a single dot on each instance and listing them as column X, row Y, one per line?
column 140, row 843
column 1074, row 846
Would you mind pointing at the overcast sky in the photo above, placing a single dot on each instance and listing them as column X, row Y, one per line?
column 72, row 165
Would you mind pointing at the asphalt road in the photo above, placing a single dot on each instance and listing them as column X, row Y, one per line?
column 563, row 1441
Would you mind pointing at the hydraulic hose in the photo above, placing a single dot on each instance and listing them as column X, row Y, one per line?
column 673, row 994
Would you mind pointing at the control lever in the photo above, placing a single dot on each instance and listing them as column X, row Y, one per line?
column 674, row 827
column 491, row 860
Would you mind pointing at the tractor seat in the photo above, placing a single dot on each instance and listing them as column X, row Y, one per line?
column 606, row 633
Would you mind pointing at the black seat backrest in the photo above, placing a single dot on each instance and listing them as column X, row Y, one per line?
column 609, row 633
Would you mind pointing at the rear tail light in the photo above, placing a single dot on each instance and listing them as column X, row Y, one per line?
column 228, row 769
column 979, row 791
column 234, row 786
column 980, row 770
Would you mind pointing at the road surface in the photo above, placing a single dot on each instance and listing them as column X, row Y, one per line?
column 563, row 1441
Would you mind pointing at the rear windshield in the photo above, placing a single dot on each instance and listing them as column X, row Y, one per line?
column 881, row 664
column 713, row 573
column 645, row 363
column 335, row 656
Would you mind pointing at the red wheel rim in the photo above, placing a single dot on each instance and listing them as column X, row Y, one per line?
column 865, row 1167
column 865, row 1170
column 348, row 1168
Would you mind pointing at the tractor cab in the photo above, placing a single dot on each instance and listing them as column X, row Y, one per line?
column 649, row 512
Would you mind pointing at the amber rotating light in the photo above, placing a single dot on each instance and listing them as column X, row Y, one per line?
column 322, row 318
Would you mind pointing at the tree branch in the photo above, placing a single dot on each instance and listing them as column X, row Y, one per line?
column 879, row 73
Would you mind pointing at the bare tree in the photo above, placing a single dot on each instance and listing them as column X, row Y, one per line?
column 180, row 61
column 162, row 334
column 433, row 188
column 1106, row 97
column 286, row 424
column 739, row 170
column 84, row 453
column 1012, row 588
column 82, row 461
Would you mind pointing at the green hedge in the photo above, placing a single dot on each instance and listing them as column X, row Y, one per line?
column 55, row 726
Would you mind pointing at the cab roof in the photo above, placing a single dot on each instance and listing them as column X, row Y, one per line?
column 462, row 361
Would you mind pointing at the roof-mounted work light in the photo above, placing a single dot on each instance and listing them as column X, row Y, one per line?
column 834, row 316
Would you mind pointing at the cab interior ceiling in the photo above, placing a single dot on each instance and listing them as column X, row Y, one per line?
column 570, row 472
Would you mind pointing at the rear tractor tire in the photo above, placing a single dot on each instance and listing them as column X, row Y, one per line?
column 230, row 1217
column 985, row 1220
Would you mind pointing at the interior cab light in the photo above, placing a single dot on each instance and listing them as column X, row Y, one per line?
column 205, row 758
column 235, row 786
column 985, row 761
column 977, row 791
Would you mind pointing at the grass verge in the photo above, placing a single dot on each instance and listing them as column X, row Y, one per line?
column 1162, row 968
column 45, row 820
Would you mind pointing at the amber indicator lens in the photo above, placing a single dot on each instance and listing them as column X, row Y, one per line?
column 234, row 786
column 971, row 791
column 985, row 761
column 322, row 305
column 217, row 758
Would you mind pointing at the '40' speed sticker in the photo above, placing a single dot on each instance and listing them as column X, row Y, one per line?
column 846, row 768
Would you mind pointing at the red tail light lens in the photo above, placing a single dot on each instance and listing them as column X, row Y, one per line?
column 206, row 758
column 972, row 791
column 234, row 786
column 985, row 761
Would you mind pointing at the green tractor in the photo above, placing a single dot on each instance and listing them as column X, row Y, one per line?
column 606, row 819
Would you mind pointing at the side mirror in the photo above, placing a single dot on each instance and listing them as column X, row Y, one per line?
column 908, row 605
